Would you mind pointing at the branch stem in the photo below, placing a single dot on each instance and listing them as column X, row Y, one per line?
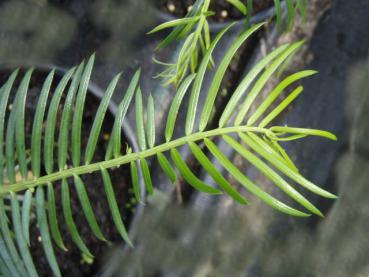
column 90, row 168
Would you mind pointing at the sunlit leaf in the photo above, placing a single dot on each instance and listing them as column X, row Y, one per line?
column 304, row 131
column 283, row 105
column 285, row 169
column 249, row 185
column 174, row 23
column 272, row 175
column 246, row 82
column 194, row 97
column 263, row 79
column 218, row 77
column 272, row 96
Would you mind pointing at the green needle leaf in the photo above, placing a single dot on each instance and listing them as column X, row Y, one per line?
column 216, row 175
column 189, row 176
column 37, row 125
column 178, row 31
column 167, row 167
column 274, row 150
column 147, row 176
column 121, row 113
column 135, row 181
column 278, row 8
column 51, row 122
column 194, row 97
column 7, row 266
column 283, row 105
column 290, row 14
column 9, row 241
column 301, row 6
column 78, row 113
column 289, row 138
column 9, row 144
column 263, row 79
column 66, row 118
column 239, row 5
column 150, row 122
column 140, row 121
column 172, row 36
column 276, row 92
column 8, row 262
column 22, row 244
column 174, row 108
column 99, row 118
column 4, row 268
column 207, row 35
column 114, row 206
column 54, row 227
column 26, row 212
column 284, row 154
column 174, row 23
column 249, row 185
column 304, row 131
column 5, row 91
column 87, row 209
column 67, row 211
column 250, row 8
column 285, row 169
column 246, row 82
column 272, row 175
column 218, row 77
column 44, row 230
column 19, row 123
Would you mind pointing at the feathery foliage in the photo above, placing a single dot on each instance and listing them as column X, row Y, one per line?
column 251, row 135
column 194, row 30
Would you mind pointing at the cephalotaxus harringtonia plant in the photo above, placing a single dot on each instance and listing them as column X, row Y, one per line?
column 194, row 30
column 251, row 135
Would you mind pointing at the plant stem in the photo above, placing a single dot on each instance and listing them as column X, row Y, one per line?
column 89, row 168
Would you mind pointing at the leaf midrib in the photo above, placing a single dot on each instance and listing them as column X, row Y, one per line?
column 90, row 168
